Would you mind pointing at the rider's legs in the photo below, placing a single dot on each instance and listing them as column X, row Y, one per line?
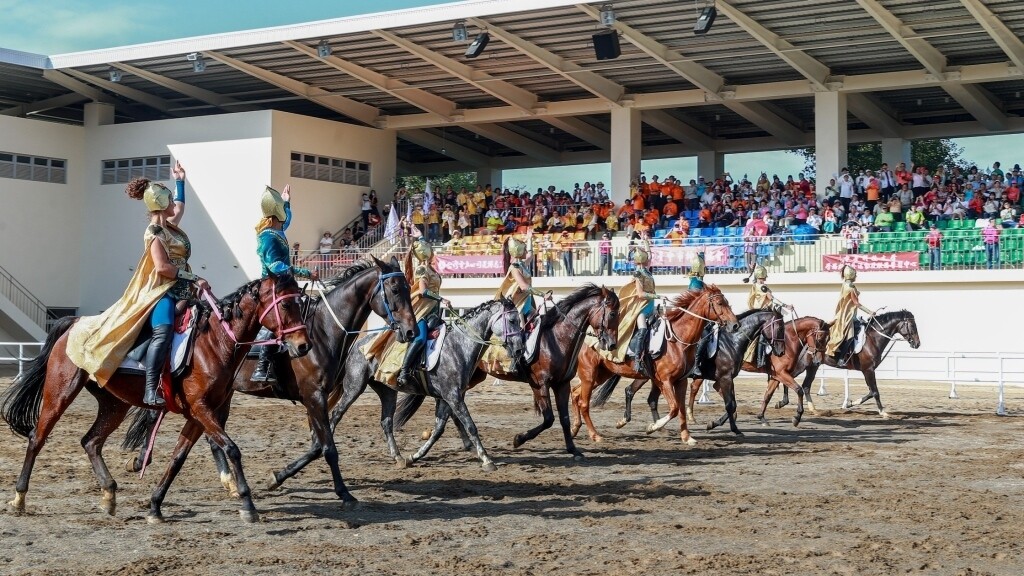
column 413, row 354
column 161, row 320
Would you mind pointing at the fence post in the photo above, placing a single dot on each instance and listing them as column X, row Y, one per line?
column 21, row 356
column 821, row 386
column 952, row 373
column 846, row 390
column 1001, row 405
column 704, row 394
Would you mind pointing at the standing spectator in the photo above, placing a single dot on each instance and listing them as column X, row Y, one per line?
column 887, row 181
column 464, row 223
column 753, row 232
column 934, row 239
column 990, row 235
column 295, row 254
column 373, row 204
column 565, row 246
column 851, row 234
column 365, row 208
column 846, row 190
column 919, row 180
column 433, row 225
column 326, row 245
column 896, row 209
column 418, row 220
column 604, row 248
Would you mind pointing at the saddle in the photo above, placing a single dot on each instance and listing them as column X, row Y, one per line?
column 182, row 343
column 532, row 339
column 659, row 333
column 854, row 344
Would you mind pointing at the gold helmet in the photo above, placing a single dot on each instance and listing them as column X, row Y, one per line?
column 272, row 204
column 698, row 269
column 641, row 257
column 157, row 197
column 849, row 273
column 516, row 248
column 760, row 273
column 421, row 250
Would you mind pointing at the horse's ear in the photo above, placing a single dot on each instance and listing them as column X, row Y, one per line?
column 394, row 262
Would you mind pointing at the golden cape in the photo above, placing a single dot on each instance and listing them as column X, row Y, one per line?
column 631, row 303
column 846, row 309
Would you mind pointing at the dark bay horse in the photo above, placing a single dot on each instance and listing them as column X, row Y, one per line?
column 467, row 338
column 563, row 328
column 883, row 331
column 722, row 368
column 335, row 321
column 693, row 309
column 37, row 400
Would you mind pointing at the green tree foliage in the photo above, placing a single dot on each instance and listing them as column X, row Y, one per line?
column 440, row 182
column 930, row 153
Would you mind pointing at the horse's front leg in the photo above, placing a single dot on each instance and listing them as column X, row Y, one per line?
column 679, row 393
column 441, row 414
column 869, row 379
column 211, row 425
column 773, row 384
column 562, row 391
column 189, row 434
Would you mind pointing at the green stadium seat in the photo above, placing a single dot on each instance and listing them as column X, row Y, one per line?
column 942, row 224
column 923, row 259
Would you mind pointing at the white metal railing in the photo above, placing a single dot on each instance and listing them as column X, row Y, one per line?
column 8, row 356
column 22, row 298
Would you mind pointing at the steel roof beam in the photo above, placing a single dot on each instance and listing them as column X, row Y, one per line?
column 872, row 114
column 590, row 81
column 696, row 74
column 194, row 92
column 975, row 100
column 515, row 141
column 356, row 110
column 43, row 105
column 1000, row 32
column 582, row 130
column 135, row 94
column 446, row 147
column 807, row 66
column 419, row 98
column 677, row 129
column 82, row 88
column 760, row 116
column 523, row 99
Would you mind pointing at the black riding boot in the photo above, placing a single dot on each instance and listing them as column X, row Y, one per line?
column 156, row 357
column 265, row 365
column 413, row 357
column 641, row 355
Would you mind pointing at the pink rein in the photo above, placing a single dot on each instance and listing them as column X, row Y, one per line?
column 279, row 333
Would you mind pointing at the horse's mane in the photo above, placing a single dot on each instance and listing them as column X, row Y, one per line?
column 896, row 315
column 687, row 298
column 751, row 312
column 483, row 306
column 228, row 305
column 563, row 307
column 350, row 272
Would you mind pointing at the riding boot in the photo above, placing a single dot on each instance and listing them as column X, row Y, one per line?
column 698, row 355
column 641, row 355
column 156, row 357
column 413, row 358
column 265, row 365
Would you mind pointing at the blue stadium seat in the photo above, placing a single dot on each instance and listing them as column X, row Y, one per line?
column 736, row 231
column 705, row 232
column 660, row 233
column 719, row 231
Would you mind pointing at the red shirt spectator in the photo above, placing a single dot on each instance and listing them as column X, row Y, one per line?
column 934, row 238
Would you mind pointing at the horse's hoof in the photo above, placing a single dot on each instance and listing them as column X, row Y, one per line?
column 274, row 483
column 779, row 405
column 349, row 504
column 132, row 465
column 884, row 414
column 689, row 441
column 401, row 462
column 155, row 518
column 578, row 457
column 18, row 504
column 249, row 516
column 796, row 422
column 710, row 426
column 109, row 502
column 597, row 438
column 738, row 434
column 651, row 429
column 810, row 406
column 518, row 441
column 621, row 423
column 489, row 466
column 763, row 422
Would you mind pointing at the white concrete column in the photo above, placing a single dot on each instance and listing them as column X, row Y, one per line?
column 829, row 134
column 710, row 165
column 896, row 150
column 492, row 176
column 625, row 151
column 98, row 114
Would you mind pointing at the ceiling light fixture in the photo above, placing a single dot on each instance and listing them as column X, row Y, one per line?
column 607, row 15
column 198, row 64
column 459, row 33
column 115, row 75
column 323, row 49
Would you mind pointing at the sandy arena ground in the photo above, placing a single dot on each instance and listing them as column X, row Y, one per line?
column 936, row 489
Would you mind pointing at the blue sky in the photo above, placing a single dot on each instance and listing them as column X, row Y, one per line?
column 60, row 26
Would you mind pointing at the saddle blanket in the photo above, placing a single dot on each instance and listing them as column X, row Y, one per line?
column 181, row 347
column 394, row 356
column 531, row 344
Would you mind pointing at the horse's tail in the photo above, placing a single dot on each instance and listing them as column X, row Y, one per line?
column 143, row 420
column 604, row 391
column 21, row 403
column 407, row 406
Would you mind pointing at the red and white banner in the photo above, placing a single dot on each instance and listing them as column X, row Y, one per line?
column 890, row 261
column 683, row 257
column 448, row 264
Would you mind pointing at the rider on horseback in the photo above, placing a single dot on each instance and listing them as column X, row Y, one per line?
column 697, row 270
column 643, row 295
column 761, row 298
column 275, row 256
column 846, row 311
column 98, row 344
column 426, row 305
column 518, row 284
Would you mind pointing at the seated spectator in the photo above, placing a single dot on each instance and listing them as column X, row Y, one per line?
column 456, row 244
column 814, row 221
column 990, row 208
column 884, row 221
column 679, row 231
column 915, row 218
column 494, row 223
column 1008, row 216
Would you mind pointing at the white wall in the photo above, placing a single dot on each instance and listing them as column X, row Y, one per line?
column 41, row 224
column 319, row 207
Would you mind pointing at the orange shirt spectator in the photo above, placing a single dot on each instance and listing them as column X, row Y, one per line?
column 871, row 190
column 677, row 191
column 705, row 215
column 671, row 210
column 626, row 211
column 651, row 217
column 638, row 202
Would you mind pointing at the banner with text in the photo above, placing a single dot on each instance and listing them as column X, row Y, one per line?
column 891, row 261
column 682, row 257
column 448, row 264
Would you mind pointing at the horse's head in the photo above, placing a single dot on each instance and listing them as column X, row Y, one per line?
column 906, row 327
column 506, row 323
column 279, row 311
column 713, row 304
column 774, row 330
column 391, row 300
column 604, row 319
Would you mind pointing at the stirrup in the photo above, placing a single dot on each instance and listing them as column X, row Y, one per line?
column 154, row 401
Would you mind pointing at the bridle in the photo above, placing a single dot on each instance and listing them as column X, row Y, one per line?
column 602, row 327
column 712, row 307
column 275, row 306
column 771, row 323
column 393, row 323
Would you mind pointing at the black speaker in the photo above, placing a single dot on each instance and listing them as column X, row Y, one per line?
column 606, row 45
column 478, row 45
column 705, row 20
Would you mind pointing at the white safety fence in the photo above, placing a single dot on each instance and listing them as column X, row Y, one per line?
column 19, row 353
column 999, row 369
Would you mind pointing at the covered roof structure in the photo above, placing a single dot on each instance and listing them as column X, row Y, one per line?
column 537, row 95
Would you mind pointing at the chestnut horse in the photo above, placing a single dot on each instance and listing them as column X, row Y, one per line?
column 37, row 400
column 686, row 321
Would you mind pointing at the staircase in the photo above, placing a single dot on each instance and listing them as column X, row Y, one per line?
column 33, row 309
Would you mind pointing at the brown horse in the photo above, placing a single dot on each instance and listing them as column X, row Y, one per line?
column 38, row 399
column 692, row 310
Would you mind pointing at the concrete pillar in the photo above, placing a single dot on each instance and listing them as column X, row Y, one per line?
column 625, row 151
column 829, row 134
column 896, row 150
column 710, row 165
column 485, row 176
column 98, row 114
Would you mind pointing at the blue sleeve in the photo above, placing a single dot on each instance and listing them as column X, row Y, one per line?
column 273, row 258
column 179, row 191
column 287, row 216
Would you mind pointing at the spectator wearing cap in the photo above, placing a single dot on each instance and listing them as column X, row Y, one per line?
column 990, row 236
column 884, row 222
column 604, row 249
column 566, row 245
column 934, row 240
